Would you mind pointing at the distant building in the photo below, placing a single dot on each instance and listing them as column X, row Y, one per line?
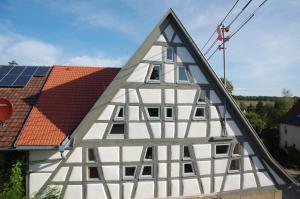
column 290, row 128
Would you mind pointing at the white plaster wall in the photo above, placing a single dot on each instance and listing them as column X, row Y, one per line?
column 249, row 181
column 184, row 56
column 96, row 190
column 169, row 129
column 214, row 113
column 175, row 169
column 169, row 96
column 162, row 170
column 154, row 54
column 218, row 183
column 138, row 130
column 186, row 96
column 114, row 190
column 120, row 96
column 162, row 189
column 162, row 153
column 169, row 73
column 184, row 112
column 106, row 113
column 111, row 172
column 190, row 187
column 76, row 156
column 156, row 129
column 169, row 31
column 206, row 185
column 204, row 167
column 215, row 129
column 220, row 165
column 134, row 113
column 133, row 98
column 45, row 155
column 232, row 128
column 73, row 192
column 145, row 190
column 247, row 149
column 43, row 166
column 247, row 164
column 96, row 131
column 109, row 154
column 257, row 163
column 127, row 190
column 175, row 152
column 181, row 128
column 197, row 74
column 61, row 174
column 151, row 95
column 161, row 38
column 232, row 182
column 291, row 137
column 197, row 129
column 76, row 174
column 202, row 150
column 174, row 187
column 139, row 74
column 132, row 153
column 177, row 39
column 214, row 97
column 36, row 181
column 264, row 179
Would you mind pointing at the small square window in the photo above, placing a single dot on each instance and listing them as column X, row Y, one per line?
column 120, row 113
column 199, row 113
column 234, row 165
column 153, row 113
column 186, row 152
column 154, row 74
column 169, row 54
column 147, row 171
column 188, row 168
column 91, row 155
column 129, row 171
column 169, row 112
column 93, row 173
column 182, row 74
column 117, row 129
column 221, row 150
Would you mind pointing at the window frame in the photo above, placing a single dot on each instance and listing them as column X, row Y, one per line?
column 150, row 72
column 190, row 173
column 116, row 136
column 222, row 154
column 87, row 155
column 146, row 176
column 152, row 148
column 199, row 96
column 116, row 116
column 240, row 150
column 166, row 55
column 183, row 157
column 235, row 170
column 88, row 173
column 169, row 118
column 153, row 118
column 124, row 172
column 186, row 73
column 199, row 117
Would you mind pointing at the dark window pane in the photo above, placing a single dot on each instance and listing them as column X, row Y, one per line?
column 188, row 168
column 199, row 112
column 129, row 171
column 29, row 70
column 222, row 149
column 147, row 171
column 182, row 74
column 117, row 129
column 155, row 74
column 91, row 155
column 8, row 80
column 17, row 70
column 170, row 54
column 121, row 112
column 169, row 112
column 5, row 69
column 149, row 153
column 93, row 172
column 186, row 152
column 235, row 164
column 153, row 112
column 22, row 81
column 41, row 71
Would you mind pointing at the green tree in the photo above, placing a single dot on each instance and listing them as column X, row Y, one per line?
column 260, row 109
column 229, row 85
column 243, row 106
column 257, row 121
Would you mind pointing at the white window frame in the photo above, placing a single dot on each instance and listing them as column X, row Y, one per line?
column 236, row 170
column 150, row 72
column 88, row 172
column 199, row 117
column 153, row 118
column 169, row 118
column 146, row 176
column 116, row 116
column 146, row 154
column 222, row 154
column 186, row 73
column 188, row 174
column 166, row 55
column 124, row 174
column 116, row 136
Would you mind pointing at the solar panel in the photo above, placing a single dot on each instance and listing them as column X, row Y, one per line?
column 29, row 70
column 8, row 80
column 17, row 70
column 22, row 80
column 1, row 76
column 41, row 71
column 5, row 69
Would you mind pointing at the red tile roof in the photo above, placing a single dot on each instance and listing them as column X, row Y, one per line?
column 292, row 117
column 68, row 95
column 22, row 99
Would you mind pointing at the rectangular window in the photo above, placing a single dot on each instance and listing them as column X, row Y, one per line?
column 221, row 150
column 154, row 74
column 188, row 168
column 91, row 155
column 182, row 74
column 201, row 97
column 237, row 149
column 120, row 113
column 117, row 129
column 234, row 165
column 149, row 153
column 199, row 113
column 169, row 112
column 93, row 173
column 169, row 54
column 147, row 171
column 186, row 152
column 153, row 112
column 129, row 171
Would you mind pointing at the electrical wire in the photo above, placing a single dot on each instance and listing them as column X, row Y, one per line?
column 237, row 16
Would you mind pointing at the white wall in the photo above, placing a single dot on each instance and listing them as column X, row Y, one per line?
column 290, row 135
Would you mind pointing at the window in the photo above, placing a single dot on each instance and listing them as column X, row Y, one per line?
column 155, row 74
column 199, row 113
column 201, row 97
column 120, row 113
column 153, row 113
column 117, row 129
column 188, row 168
column 147, row 171
column 234, row 165
column 149, row 153
column 182, row 74
column 91, row 155
column 169, row 113
column 221, row 150
column 93, row 173
column 237, row 149
column 186, row 152
column 129, row 171
column 169, row 54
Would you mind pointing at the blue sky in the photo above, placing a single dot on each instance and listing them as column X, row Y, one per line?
column 262, row 59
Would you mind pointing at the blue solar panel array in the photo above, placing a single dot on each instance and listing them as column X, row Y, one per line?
column 19, row 76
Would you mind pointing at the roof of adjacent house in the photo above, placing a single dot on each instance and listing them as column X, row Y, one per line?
column 68, row 95
column 22, row 99
column 292, row 117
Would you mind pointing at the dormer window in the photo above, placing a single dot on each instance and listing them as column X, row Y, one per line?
column 182, row 74
column 154, row 75
column 169, row 54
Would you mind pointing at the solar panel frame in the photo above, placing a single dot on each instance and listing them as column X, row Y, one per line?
column 17, row 70
column 41, row 71
column 29, row 71
column 8, row 80
column 5, row 69
column 21, row 81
